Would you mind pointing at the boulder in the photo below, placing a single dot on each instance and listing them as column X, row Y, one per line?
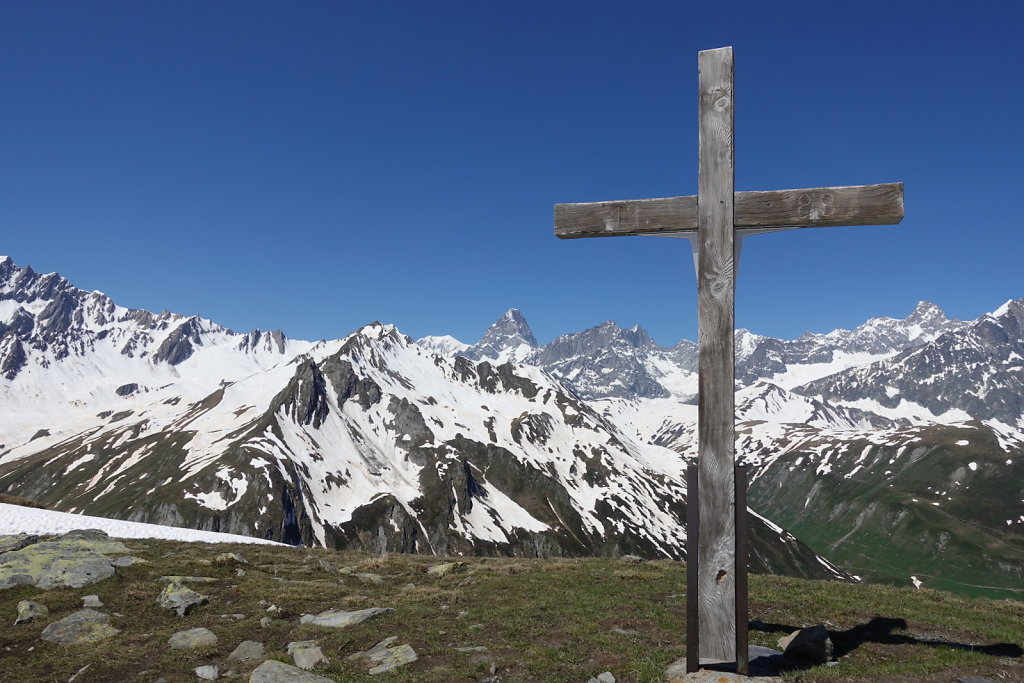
column 74, row 560
column 128, row 561
column 193, row 637
column 247, row 650
column 230, row 558
column 379, row 647
column 306, row 654
column 391, row 658
column 273, row 671
column 445, row 568
column 180, row 599
column 210, row 672
column 811, row 644
column 607, row 676
column 91, row 601
column 29, row 611
column 16, row 542
column 79, row 628
column 337, row 618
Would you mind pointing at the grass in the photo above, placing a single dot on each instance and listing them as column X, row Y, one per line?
column 539, row 620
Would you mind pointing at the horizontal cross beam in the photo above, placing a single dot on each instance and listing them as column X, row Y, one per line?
column 817, row 207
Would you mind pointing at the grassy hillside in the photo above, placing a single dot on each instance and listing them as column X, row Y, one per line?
column 530, row 620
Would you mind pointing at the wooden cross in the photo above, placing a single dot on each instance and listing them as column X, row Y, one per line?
column 718, row 218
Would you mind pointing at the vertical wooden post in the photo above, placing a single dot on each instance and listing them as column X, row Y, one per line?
column 742, row 616
column 716, row 589
column 692, row 569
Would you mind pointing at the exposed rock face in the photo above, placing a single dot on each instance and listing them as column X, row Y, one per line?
column 80, row 628
column 509, row 339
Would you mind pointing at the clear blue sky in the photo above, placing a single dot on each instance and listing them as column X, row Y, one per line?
column 315, row 166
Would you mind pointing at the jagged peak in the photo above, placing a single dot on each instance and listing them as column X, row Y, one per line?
column 1008, row 307
column 926, row 310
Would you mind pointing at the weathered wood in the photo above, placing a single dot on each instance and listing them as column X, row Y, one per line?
column 716, row 532
column 742, row 596
column 716, row 285
column 816, row 207
column 692, row 569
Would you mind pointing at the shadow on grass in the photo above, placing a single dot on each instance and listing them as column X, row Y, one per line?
column 882, row 630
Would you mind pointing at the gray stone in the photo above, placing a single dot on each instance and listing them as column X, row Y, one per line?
column 239, row 571
column 273, row 671
column 186, row 579
column 379, row 647
column 327, row 566
column 306, row 654
column 391, row 658
column 79, row 628
column 635, row 559
column 210, row 672
column 476, row 648
column 265, row 622
column 128, row 561
column 337, row 618
column 236, row 617
column 74, row 560
column 605, row 677
column 180, row 599
column 445, row 568
column 230, row 558
column 29, row 610
column 91, row 601
column 193, row 637
column 16, row 542
column 974, row 679
column 247, row 650
column 812, row 644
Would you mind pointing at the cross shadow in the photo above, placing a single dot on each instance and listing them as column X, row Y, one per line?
column 882, row 630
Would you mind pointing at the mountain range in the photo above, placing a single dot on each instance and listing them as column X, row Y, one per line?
column 894, row 449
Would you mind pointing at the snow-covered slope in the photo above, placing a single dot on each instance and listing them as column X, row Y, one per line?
column 16, row 519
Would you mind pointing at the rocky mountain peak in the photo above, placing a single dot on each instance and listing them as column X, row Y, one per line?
column 508, row 339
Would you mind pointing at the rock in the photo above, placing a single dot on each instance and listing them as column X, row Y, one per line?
column 635, row 559
column 236, row 617
column 81, row 627
column 210, row 672
column 391, row 658
column 339, row 618
column 230, row 558
column 367, row 576
column 247, row 650
column 239, row 571
column 379, row 647
column 91, row 601
column 479, row 648
column 186, row 579
column 273, row 671
column 28, row 611
column 16, row 542
column 306, row 654
column 327, row 566
column 181, row 599
column 812, row 644
column 193, row 637
column 445, row 568
column 265, row 622
column 74, row 560
column 605, row 677
column 128, row 561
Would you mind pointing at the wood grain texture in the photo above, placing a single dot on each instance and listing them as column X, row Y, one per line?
column 815, row 207
column 716, row 286
column 692, row 569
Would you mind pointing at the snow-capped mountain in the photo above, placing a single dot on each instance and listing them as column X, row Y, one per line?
column 973, row 371
column 367, row 442
column 509, row 339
